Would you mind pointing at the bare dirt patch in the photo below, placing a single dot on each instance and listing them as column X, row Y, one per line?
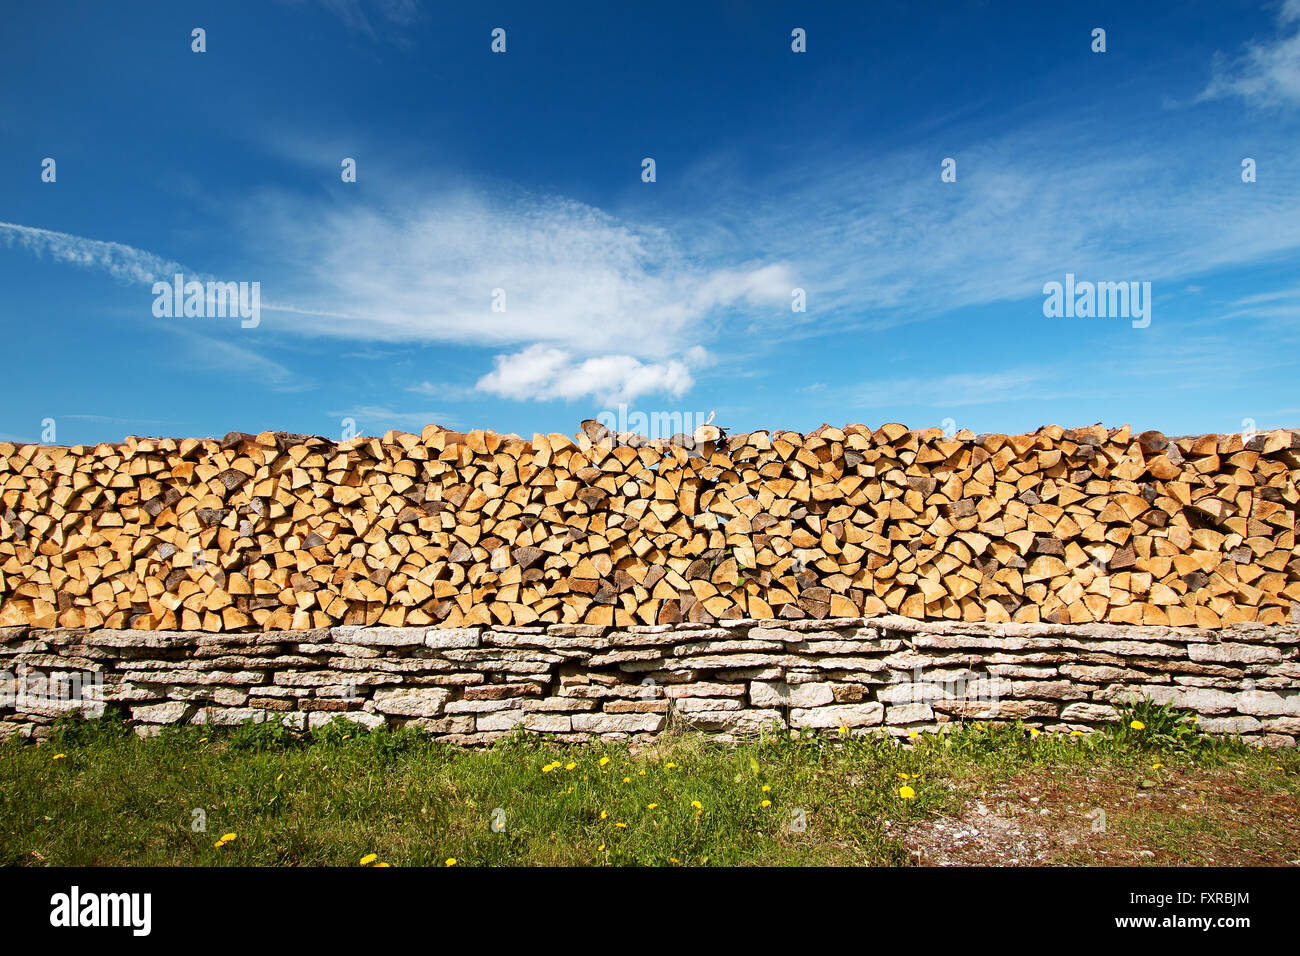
column 1166, row 818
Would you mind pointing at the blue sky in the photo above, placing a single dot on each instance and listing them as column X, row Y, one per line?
column 522, row 171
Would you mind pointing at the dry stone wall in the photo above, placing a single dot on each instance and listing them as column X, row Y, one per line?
column 274, row 532
column 574, row 682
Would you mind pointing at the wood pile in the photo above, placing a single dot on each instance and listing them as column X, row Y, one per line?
column 278, row 531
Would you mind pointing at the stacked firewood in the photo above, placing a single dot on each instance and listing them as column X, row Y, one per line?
column 278, row 531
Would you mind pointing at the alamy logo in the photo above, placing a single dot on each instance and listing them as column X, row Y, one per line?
column 981, row 688
column 1102, row 300
column 215, row 300
column 30, row 690
column 655, row 425
column 73, row 909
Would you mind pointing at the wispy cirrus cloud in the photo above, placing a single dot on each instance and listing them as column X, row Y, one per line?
column 372, row 419
column 947, row 391
column 112, row 420
column 444, row 390
column 1276, row 306
column 247, row 360
column 384, row 13
column 1267, row 72
column 882, row 243
column 117, row 259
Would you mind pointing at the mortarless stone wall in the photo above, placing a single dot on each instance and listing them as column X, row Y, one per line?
column 574, row 682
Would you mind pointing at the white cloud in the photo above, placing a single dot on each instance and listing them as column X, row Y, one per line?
column 572, row 276
column 542, row 372
column 1266, row 73
column 607, row 309
column 601, row 306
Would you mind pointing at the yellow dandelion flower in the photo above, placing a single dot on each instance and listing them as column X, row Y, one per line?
column 697, row 805
column 228, row 837
column 369, row 858
column 621, row 826
column 279, row 778
column 901, row 776
column 1157, row 766
column 641, row 774
column 652, row 806
column 627, row 779
column 604, row 815
column 767, row 788
column 911, row 733
column 203, row 740
column 548, row 768
column 570, row 765
column 379, row 865
column 58, row 756
column 1034, row 731
column 601, row 848
column 907, row 793
column 1076, row 733
column 766, row 803
column 603, row 761
column 673, row 859
column 669, row 766
column 844, row 731
column 451, row 861
column 1138, row 725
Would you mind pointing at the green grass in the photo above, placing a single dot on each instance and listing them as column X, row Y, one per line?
column 332, row 797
